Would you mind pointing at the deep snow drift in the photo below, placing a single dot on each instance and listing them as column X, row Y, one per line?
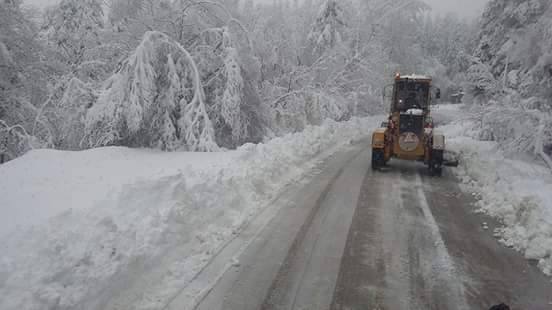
column 138, row 222
column 518, row 192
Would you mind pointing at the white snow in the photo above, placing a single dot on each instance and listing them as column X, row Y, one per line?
column 415, row 112
column 518, row 192
column 43, row 183
column 111, row 222
column 415, row 77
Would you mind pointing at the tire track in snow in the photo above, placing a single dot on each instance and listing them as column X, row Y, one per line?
column 396, row 257
column 445, row 264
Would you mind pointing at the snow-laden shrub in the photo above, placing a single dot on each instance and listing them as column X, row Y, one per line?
column 14, row 140
column 155, row 99
column 481, row 85
column 296, row 110
column 60, row 120
column 518, row 125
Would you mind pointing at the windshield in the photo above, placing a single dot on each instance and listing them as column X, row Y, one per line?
column 411, row 95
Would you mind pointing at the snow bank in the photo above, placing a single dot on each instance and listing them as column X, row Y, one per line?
column 135, row 225
column 517, row 192
column 43, row 183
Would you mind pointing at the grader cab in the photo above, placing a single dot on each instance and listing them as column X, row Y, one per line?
column 409, row 134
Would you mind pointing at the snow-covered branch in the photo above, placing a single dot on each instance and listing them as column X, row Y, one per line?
column 137, row 102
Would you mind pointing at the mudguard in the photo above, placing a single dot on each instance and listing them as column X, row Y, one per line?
column 438, row 141
column 378, row 138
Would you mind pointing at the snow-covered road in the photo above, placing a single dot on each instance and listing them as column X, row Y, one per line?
column 356, row 239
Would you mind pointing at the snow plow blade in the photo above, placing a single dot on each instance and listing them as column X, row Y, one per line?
column 451, row 159
column 451, row 163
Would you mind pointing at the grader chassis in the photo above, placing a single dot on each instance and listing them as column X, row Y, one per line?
column 409, row 132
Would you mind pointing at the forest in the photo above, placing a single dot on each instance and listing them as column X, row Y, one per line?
column 219, row 154
column 211, row 75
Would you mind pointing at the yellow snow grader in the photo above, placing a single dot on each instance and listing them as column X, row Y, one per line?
column 409, row 132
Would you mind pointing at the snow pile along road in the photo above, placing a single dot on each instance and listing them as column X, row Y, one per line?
column 135, row 225
column 518, row 192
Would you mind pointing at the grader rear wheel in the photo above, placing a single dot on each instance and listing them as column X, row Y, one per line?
column 436, row 171
column 378, row 159
column 435, row 164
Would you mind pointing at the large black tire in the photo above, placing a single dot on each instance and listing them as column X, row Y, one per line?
column 437, row 172
column 435, row 164
column 378, row 159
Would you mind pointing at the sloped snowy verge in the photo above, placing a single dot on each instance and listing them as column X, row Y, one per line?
column 129, row 213
column 518, row 192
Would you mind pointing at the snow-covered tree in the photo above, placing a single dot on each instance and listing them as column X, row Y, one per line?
column 514, row 46
column 233, row 94
column 328, row 29
column 22, row 77
column 155, row 99
column 73, row 28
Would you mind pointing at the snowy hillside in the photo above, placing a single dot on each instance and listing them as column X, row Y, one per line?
column 102, row 217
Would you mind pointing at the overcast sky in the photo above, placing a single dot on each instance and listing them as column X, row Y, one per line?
column 465, row 8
